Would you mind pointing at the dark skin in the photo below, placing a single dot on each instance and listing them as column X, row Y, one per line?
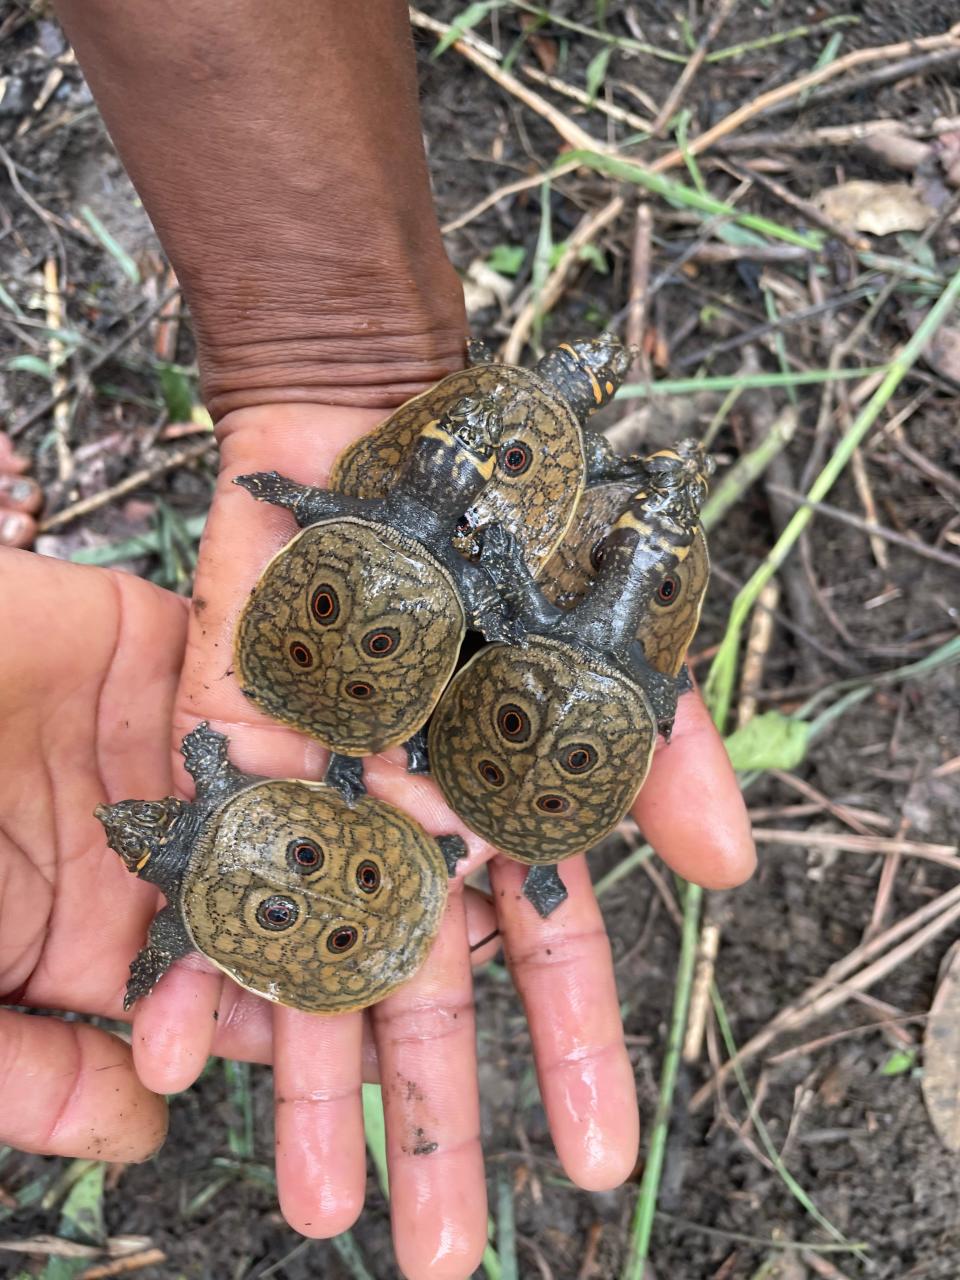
column 277, row 149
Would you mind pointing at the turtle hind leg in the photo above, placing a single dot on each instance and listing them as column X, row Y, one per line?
column 479, row 353
column 167, row 941
column 345, row 773
column 543, row 887
column 453, row 849
column 418, row 759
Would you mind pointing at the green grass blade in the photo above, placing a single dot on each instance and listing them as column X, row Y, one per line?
column 742, row 382
column 111, row 244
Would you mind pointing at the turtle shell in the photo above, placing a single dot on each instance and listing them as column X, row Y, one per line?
column 309, row 901
column 540, row 464
column 350, row 634
column 541, row 748
column 668, row 627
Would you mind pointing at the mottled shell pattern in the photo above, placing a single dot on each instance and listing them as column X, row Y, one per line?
column 350, row 635
column 540, row 749
column 540, row 464
column 311, row 902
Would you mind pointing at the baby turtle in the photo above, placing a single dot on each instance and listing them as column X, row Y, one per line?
column 544, row 456
column 315, row 900
column 669, row 623
column 354, row 628
column 541, row 747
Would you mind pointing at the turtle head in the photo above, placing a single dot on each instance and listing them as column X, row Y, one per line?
column 139, row 829
column 587, row 371
column 680, row 474
column 475, row 423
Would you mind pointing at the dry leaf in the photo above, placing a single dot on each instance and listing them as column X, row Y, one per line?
column 941, row 1054
column 879, row 208
column 942, row 352
column 482, row 287
column 897, row 150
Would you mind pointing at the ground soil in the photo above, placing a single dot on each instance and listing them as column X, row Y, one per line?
column 858, row 1140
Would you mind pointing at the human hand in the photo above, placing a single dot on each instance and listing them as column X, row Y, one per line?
column 20, row 498
column 424, row 1033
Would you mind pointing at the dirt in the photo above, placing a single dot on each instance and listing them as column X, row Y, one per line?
column 856, row 1139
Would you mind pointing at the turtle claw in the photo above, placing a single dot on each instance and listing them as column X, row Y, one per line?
column 453, row 849
column 204, row 752
column 543, row 887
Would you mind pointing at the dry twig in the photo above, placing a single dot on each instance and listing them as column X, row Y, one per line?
column 673, row 99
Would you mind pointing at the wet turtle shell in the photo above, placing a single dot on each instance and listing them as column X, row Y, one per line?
column 541, row 748
column 670, row 621
column 540, row 464
column 351, row 635
column 306, row 895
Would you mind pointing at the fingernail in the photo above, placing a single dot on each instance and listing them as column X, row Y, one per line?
column 13, row 528
column 16, row 490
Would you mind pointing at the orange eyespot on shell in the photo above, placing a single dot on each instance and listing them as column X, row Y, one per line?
column 360, row 690
column 301, row 654
column 553, row 804
column 304, row 854
column 513, row 723
column 325, row 604
column 491, row 773
column 515, row 458
column 668, row 590
column 578, row 759
column 380, row 642
column 368, row 876
column 277, row 913
column 342, row 939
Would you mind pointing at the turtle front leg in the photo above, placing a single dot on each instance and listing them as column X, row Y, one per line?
column 418, row 758
column 307, row 503
column 543, row 887
column 501, row 560
column 453, row 849
column 167, row 941
column 204, row 752
column 345, row 773
column 604, row 463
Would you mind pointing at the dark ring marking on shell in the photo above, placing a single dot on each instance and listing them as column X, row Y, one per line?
column 553, row 804
column 301, row 654
column 513, row 723
column 580, row 758
column 304, row 854
column 490, row 773
column 515, row 458
column 668, row 590
column 360, row 690
column 368, row 876
column 342, row 939
column 277, row 913
column 325, row 604
column 598, row 552
column 380, row 641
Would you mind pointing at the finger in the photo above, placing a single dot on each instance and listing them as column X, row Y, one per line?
column 483, row 931
column 321, row 1160
column 18, row 493
column 9, row 459
column 426, row 1046
column 71, row 1090
column 174, row 1026
column 563, row 971
column 691, row 808
column 17, row 529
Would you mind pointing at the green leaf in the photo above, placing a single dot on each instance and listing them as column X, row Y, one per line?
column 899, row 1062
column 111, row 244
column 375, row 1130
column 590, row 253
column 768, row 741
column 473, row 14
column 177, row 393
column 30, row 364
column 597, row 70
column 506, row 258
column 81, row 1217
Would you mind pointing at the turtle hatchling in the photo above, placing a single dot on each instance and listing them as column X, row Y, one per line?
column 316, row 900
column 541, row 746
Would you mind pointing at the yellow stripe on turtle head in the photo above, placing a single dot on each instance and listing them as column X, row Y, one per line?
column 597, row 389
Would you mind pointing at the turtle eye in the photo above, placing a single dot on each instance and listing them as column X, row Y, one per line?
column 342, row 939
column 304, row 854
column 277, row 913
column 360, row 690
column 379, row 642
column 368, row 876
column 490, row 773
column 301, row 654
column 515, row 458
column 580, row 758
column 669, row 589
column 553, row 804
column 325, row 604
column 513, row 722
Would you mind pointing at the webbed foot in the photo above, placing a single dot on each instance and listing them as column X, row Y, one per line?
column 270, row 486
column 204, row 752
column 543, row 887
column 418, row 759
column 479, row 353
column 453, row 849
column 345, row 773
column 167, row 941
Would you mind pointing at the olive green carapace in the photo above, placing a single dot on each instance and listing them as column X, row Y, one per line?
column 313, row 895
column 541, row 750
column 540, row 463
column 351, row 635
column 670, row 621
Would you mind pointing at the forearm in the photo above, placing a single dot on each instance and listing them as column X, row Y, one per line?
column 277, row 149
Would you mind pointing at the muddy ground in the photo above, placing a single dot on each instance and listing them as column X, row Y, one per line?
column 855, row 1137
